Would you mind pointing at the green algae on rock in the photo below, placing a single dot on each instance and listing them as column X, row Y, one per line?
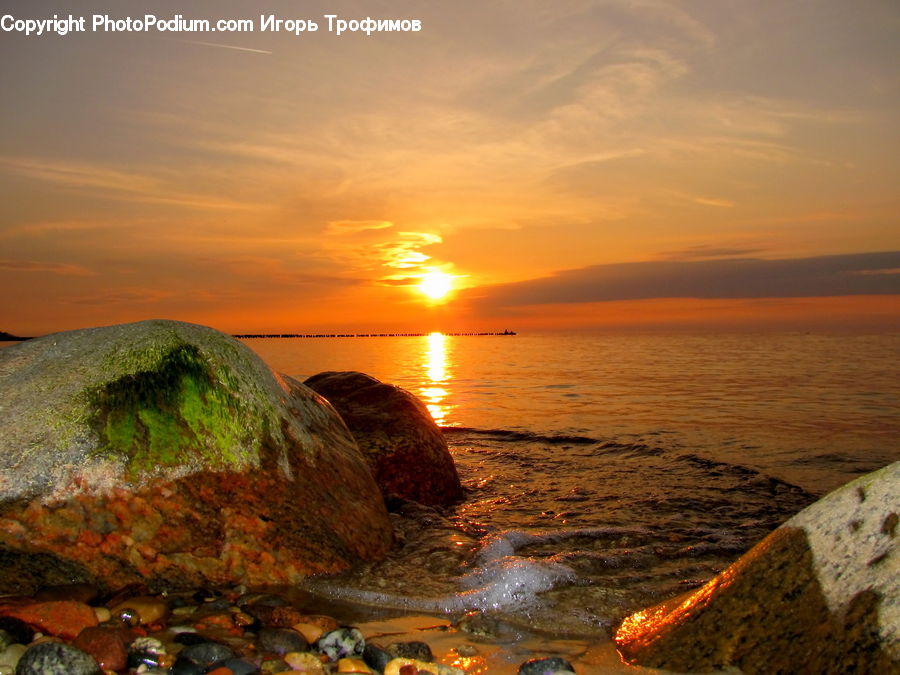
column 170, row 452
column 819, row 594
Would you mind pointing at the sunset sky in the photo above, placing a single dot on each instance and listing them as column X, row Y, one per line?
column 572, row 165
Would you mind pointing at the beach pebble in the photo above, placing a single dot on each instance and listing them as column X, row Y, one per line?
column 340, row 643
column 274, row 666
column 56, row 658
column 548, row 666
column 281, row 641
column 376, row 657
column 149, row 609
column 184, row 666
column 11, row 655
column 310, row 631
column 108, row 646
column 353, row 666
column 206, row 653
column 401, row 666
column 305, row 662
column 103, row 614
column 62, row 618
column 411, row 650
column 240, row 666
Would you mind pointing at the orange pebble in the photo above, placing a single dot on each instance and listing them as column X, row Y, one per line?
column 221, row 670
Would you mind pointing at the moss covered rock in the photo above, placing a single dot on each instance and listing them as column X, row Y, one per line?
column 404, row 446
column 818, row 595
column 169, row 452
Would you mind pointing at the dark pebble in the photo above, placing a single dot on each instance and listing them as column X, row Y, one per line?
column 545, row 666
column 219, row 604
column 240, row 667
column 281, row 641
column 342, row 643
column 411, row 650
column 139, row 657
column 56, row 658
column 183, row 666
column 375, row 657
column 189, row 639
column 207, row 653
column 17, row 629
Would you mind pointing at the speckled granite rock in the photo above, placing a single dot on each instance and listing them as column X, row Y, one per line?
column 170, row 453
column 406, row 449
column 818, row 595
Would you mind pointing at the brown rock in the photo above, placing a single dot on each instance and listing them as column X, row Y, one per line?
column 63, row 618
column 109, row 646
column 807, row 599
column 404, row 447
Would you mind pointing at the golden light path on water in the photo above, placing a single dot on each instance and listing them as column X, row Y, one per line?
column 437, row 376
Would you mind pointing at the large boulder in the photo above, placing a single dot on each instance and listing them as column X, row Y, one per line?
column 404, row 446
column 819, row 595
column 169, row 453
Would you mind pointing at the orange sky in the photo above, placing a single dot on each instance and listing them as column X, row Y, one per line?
column 580, row 164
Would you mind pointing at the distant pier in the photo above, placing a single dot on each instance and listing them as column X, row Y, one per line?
column 246, row 336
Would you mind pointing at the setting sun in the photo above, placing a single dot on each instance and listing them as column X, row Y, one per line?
column 436, row 284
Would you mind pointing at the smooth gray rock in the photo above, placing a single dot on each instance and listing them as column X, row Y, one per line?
column 55, row 658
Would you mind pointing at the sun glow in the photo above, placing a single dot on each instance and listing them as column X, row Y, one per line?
column 436, row 284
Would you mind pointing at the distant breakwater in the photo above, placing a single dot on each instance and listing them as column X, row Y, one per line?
column 357, row 335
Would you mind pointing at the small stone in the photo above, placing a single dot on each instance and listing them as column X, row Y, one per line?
column 305, row 662
column 467, row 650
column 376, row 657
column 11, row 655
column 411, row 650
column 547, row 666
column 352, row 666
column 207, row 653
column 240, row 666
column 56, row 658
column 221, row 670
column 149, row 609
column 396, row 667
column 281, row 641
column 107, row 645
column 63, row 618
column 340, row 643
column 274, row 666
column 128, row 616
column 188, row 637
column 310, row 631
column 103, row 615
column 183, row 666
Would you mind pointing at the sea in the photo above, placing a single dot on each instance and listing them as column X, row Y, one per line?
column 605, row 473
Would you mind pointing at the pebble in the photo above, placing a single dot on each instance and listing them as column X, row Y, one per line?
column 107, row 645
column 11, row 655
column 56, row 658
column 240, row 666
column 149, row 609
column 281, row 641
column 548, row 666
column 411, row 650
column 340, row 643
column 304, row 661
column 206, row 653
column 376, row 657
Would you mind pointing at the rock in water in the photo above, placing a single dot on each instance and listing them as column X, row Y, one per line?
column 169, row 453
column 405, row 448
column 55, row 658
column 818, row 595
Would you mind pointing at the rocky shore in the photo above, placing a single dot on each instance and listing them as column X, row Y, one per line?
column 140, row 463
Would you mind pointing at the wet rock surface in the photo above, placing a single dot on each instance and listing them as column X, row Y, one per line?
column 405, row 448
column 819, row 594
column 170, row 453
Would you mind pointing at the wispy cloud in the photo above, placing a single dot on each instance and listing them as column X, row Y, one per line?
column 223, row 46
column 349, row 227
column 64, row 269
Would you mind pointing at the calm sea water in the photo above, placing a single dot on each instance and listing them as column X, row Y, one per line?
column 606, row 473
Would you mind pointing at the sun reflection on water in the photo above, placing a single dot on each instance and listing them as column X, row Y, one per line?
column 437, row 374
